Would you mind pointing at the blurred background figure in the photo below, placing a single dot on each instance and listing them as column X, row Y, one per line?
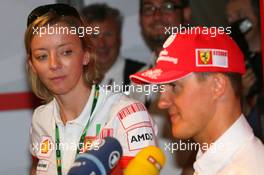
column 107, row 43
column 155, row 17
column 244, row 17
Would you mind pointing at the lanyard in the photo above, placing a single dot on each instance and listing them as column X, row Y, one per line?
column 81, row 142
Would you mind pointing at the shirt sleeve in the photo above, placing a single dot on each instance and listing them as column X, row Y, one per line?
column 34, row 145
column 135, row 130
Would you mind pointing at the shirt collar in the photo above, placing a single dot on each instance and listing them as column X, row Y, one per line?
column 82, row 119
column 221, row 152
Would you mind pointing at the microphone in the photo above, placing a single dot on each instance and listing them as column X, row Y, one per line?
column 148, row 161
column 100, row 159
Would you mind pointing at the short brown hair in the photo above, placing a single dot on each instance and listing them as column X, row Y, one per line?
column 235, row 79
column 183, row 4
column 100, row 12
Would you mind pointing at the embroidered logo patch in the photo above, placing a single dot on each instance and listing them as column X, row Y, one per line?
column 46, row 146
column 106, row 132
column 87, row 143
column 140, row 137
column 205, row 57
column 132, row 115
column 163, row 56
column 153, row 74
column 211, row 58
column 43, row 165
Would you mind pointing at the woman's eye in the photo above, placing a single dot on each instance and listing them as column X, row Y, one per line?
column 67, row 52
column 41, row 57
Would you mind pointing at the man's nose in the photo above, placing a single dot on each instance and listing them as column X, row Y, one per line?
column 165, row 99
column 157, row 14
column 101, row 40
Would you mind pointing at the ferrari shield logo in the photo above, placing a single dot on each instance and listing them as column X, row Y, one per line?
column 205, row 56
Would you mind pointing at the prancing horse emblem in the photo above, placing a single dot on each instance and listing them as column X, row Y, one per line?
column 205, row 56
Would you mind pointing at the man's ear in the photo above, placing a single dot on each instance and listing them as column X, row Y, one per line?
column 219, row 85
column 86, row 58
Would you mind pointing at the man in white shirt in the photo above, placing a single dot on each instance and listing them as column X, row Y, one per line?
column 156, row 18
column 200, row 77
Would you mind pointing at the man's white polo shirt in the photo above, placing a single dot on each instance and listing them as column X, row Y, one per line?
column 114, row 115
column 236, row 152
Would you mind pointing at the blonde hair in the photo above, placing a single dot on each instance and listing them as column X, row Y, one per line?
column 91, row 74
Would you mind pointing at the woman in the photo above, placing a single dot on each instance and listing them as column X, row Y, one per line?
column 62, row 71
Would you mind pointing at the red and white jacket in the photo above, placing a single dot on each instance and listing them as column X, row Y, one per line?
column 114, row 115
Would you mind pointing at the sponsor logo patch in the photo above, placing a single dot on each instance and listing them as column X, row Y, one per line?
column 97, row 144
column 106, row 132
column 205, row 57
column 129, row 115
column 140, row 137
column 163, row 56
column 87, row 143
column 46, row 146
column 152, row 73
column 211, row 57
column 43, row 165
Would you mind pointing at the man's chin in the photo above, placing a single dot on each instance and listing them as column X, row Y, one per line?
column 157, row 40
column 103, row 62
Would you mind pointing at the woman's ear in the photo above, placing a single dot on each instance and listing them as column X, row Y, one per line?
column 31, row 66
column 86, row 58
column 219, row 85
